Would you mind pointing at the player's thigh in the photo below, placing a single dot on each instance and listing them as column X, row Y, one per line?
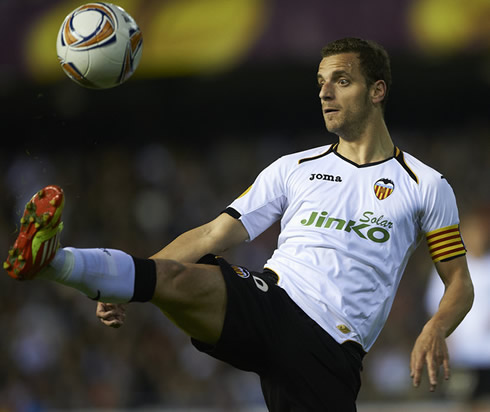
column 307, row 369
column 193, row 296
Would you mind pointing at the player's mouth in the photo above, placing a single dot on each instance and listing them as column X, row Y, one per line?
column 330, row 110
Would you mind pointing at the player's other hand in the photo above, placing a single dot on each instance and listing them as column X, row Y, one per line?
column 111, row 314
column 430, row 349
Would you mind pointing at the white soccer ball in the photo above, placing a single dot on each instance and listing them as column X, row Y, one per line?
column 99, row 45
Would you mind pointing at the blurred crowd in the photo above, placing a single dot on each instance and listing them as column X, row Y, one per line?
column 138, row 196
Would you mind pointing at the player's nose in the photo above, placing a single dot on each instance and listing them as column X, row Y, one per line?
column 326, row 91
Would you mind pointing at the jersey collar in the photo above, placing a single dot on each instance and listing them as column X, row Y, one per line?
column 334, row 147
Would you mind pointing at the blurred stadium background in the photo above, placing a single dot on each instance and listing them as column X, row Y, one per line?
column 224, row 87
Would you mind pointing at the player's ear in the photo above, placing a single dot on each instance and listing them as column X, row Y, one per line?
column 378, row 91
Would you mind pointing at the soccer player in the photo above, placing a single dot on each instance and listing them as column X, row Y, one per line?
column 351, row 215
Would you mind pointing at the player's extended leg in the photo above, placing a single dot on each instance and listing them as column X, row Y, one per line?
column 192, row 295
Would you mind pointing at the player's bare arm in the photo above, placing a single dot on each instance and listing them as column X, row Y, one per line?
column 215, row 237
column 430, row 348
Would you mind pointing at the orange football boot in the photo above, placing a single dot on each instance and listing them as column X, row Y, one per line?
column 38, row 238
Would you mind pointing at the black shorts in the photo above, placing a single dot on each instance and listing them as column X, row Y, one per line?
column 301, row 367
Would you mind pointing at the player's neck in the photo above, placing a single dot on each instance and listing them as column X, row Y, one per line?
column 373, row 144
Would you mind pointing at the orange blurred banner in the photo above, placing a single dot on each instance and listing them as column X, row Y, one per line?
column 180, row 37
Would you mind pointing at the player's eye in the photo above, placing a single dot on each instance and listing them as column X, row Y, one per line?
column 344, row 82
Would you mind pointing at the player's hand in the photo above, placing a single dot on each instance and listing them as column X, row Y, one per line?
column 430, row 349
column 111, row 314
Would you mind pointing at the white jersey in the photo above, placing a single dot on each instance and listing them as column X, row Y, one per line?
column 347, row 232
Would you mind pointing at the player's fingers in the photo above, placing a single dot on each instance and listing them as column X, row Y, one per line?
column 103, row 308
column 433, row 365
column 412, row 364
column 113, row 323
column 112, row 319
column 112, row 314
column 100, row 309
column 107, row 309
column 416, row 373
column 447, row 369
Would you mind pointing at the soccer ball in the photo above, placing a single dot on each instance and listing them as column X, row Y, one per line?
column 99, row 45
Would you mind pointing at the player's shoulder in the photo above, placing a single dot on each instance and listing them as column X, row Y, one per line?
column 420, row 172
column 286, row 165
column 303, row 156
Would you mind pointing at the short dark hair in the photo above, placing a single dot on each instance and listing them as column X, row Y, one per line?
column 374, row 59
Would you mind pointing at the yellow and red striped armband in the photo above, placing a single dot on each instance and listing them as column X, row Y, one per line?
column 445, row 243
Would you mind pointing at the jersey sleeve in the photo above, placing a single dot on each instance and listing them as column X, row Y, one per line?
column 440, row 222
column 263, row 203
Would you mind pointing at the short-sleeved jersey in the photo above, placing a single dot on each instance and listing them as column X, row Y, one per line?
column 347, row 232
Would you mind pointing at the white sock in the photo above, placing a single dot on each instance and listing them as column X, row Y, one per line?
column 101, row 274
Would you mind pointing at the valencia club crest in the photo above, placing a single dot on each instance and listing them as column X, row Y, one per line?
column 383, row 188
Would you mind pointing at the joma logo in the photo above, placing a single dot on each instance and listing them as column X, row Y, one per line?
column 324, row 176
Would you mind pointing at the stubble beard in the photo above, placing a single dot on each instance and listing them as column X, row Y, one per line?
column 349, row 125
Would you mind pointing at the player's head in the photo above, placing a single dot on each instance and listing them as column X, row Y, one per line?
column 373, row 58
column 354, row 78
